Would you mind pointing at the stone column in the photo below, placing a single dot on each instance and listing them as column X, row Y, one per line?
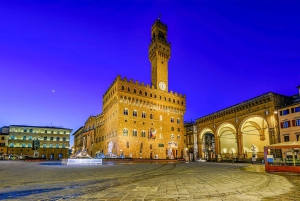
column 200, row 148
column 217, row 145
column 240, row 145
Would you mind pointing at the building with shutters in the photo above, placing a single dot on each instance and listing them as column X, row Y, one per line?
column 140, row 120
column 54, row 141
column 289, row 119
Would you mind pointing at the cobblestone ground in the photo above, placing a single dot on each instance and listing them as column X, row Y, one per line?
column 144, row 181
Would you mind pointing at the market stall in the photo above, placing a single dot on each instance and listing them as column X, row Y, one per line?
column 282, row 157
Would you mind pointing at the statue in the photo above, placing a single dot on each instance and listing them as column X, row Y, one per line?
column 109, row 148
column 99, row 155
column 81, row 153
column 253, row 149
column 170, row 153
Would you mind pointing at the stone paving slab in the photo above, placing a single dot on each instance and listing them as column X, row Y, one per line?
column 162, row 181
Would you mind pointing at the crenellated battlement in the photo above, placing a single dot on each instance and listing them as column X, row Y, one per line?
column 147, row 86
column 159, row 24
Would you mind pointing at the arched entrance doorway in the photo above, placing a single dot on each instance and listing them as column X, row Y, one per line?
column 254, row 136
column 227, row 141
column 208, row 146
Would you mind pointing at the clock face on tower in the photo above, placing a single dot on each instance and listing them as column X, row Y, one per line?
column 162, row 86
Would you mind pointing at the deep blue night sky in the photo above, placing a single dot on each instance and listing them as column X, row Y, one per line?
column 222, row 53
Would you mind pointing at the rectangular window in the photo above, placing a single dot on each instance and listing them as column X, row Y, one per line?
column 2, row 138
column 46, row 131
column 297, row 122
column 286, row 138
column 144, row 115
column 2, row 144
column 297, row 137
column 297, row 109
column 285, row 112
column 286, row 124
column 45, row 138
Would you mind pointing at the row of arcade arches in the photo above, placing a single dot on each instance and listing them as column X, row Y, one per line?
column 228, row 141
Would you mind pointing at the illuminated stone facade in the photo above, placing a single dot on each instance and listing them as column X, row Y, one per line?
column 142, row 120
column 54, row 141
column 78, row 139
column 232, row 132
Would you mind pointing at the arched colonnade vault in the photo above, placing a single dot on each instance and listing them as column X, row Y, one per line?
column 235, row 139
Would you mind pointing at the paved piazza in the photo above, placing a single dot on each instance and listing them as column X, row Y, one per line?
column 21, row 180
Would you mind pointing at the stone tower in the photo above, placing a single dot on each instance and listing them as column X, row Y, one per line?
column 159, row 55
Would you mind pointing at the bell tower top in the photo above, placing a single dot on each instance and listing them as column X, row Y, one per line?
column 159, row 55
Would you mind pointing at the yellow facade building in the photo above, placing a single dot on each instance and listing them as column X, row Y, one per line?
column 141, row 120
column 289, row 119
column 54, row 141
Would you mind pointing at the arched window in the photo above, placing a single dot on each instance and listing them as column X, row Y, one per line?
column 134, row 113
column 50, row 146
column 125, row 111
column 128, row 89
column 64, row 139
column 178, row 129
column 151, row 116
column 143, row 114
column 63, row 146
column 30, row 137
column 125, row 132
column 134, row 91
column 11, row 144
column 57, row 146
column 127, row 144
column 29, row 145
column 178, row 137
column 146, row 94
column 172, row 128
column 24, row 137
column 172, row 119
column 51, row 138
column 122, row 87
column 143, row 133
column 150, row 146
column 57, row 139
column 172, row 136
column 140, row 92
column 178, row 120
column 23, row 145
column 44, row 145
column 134, row 133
